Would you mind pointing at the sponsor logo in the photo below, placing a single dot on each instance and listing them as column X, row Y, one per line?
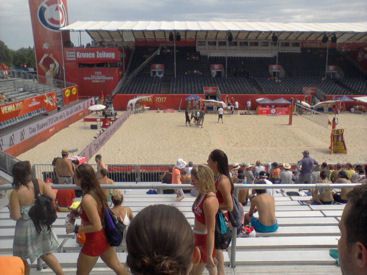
column 11, row 108
column 67, row 92
column 34, row 103
column 52, row 14
column 74, row 90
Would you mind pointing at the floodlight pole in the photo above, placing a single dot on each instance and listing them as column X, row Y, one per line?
column 174, row 54
column 226, row 58
column 327, row 58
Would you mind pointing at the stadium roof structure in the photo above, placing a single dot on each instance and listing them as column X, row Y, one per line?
column 130, row 31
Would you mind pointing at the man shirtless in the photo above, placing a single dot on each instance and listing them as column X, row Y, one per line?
column 264, row 204
column 64, row 169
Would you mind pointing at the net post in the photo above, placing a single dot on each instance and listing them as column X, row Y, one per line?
column 291, row 110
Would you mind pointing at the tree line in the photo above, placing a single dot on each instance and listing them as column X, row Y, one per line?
column 17, row 58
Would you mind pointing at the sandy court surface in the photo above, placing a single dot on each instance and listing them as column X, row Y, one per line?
column 77, row 135
column 160, row 138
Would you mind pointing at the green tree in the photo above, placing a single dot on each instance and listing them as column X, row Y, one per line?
column 24, row 56
column 5, row 54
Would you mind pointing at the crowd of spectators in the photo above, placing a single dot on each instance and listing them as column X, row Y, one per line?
column 194, row 250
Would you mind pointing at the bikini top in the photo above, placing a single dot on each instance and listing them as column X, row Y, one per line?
column 198, row 209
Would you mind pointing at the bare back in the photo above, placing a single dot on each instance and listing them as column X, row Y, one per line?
column 265, row 205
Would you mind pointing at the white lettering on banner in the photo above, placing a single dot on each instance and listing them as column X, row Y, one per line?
column 89, row 55
column 31, row 130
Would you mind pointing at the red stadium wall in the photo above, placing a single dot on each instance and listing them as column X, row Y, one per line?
column 42, row 136
column 165, row 101
column 83, row 66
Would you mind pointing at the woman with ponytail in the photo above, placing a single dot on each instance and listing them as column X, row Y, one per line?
column 91, row 214
column 218, row 162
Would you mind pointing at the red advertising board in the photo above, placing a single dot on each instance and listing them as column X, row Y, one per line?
column 70, row 94
column 272, row 110
column 45, row 102
column 210, row 90
column 48, row 16
column 176, row 101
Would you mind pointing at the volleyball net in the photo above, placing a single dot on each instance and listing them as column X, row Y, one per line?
column 321, row 119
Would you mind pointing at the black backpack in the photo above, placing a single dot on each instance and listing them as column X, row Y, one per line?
column 43, row 212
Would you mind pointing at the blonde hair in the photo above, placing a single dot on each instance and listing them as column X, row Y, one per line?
column 205, row 178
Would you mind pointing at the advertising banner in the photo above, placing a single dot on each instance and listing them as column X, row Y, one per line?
column 70, row 94
column 210, row 90
column 46, row 103
column 48, row 16
column 28, row 131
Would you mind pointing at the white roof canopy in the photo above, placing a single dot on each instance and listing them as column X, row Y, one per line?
column 120, row 31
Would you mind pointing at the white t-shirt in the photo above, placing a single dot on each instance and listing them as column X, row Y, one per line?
column 220, row 111
column 236, row 105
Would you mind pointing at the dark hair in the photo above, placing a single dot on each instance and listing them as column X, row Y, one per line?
column 22, row 173
column 323, row 174
column 260, row 191
column 159, row 241
column 221, row 159
column 338, row 166
column 103, row 172
column 89, row 183
column 342, row 175
column 359, row 169
column 99, row 157
column 324, row 165
column 356, row 220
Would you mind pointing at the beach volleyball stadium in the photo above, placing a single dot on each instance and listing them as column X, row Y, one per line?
column 123, row 90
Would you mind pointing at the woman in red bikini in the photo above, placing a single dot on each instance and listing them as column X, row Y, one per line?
column 91, row 214
column 205, row 209
column 218, row 162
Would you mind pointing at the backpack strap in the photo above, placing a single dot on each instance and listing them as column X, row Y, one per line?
column 36, row 187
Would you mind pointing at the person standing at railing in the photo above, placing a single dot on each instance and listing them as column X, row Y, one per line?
column 176, row 177
column 64, row 168
column 100, row 165
column 205, row 209
column 104, row 179
column 91, row 213
column 28, row 243
column 218, row 162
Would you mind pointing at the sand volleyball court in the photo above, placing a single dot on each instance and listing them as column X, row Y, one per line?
column 160, row 138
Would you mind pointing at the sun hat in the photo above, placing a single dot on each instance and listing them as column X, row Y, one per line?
column 236, row 166
column 180, row 164
column 286, row 166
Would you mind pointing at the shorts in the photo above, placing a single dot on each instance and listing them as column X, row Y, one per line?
column 259, row 227
column 200, row 242
column 95, row 244
column 220, row 116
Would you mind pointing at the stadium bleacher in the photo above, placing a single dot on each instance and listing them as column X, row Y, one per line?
column 245, row 75
column 304, row 238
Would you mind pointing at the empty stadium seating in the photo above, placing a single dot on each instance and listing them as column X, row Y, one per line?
column 245, row 75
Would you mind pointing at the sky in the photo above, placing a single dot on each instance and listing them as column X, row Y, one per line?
column 16, row 30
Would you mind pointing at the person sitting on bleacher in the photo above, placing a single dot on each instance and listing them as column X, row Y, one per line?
column 342, row 197
column 264, row 204
column 352, row 245
column 323, row 195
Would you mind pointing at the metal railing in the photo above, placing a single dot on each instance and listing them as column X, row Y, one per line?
column 7, row 162
column 237, row 187
column 118, row 173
